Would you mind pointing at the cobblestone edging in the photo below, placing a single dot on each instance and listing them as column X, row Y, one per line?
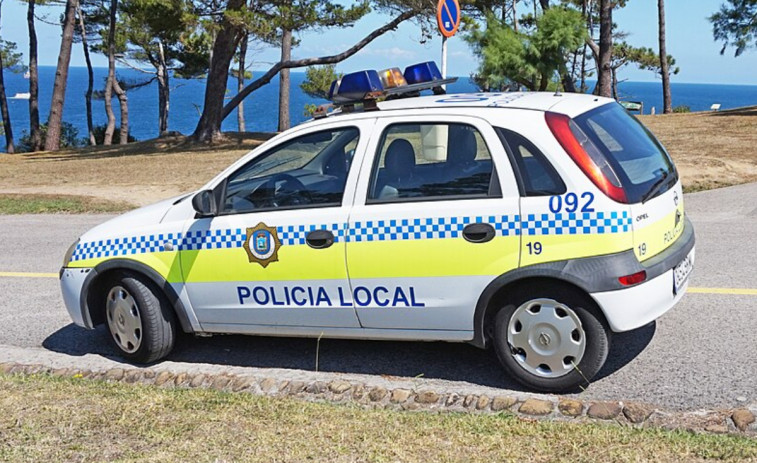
column 529, row 406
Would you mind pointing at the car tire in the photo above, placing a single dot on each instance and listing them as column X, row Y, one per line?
column 539, row 334
column 140, row 320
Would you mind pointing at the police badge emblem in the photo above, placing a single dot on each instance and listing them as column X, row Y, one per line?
column 262, row 244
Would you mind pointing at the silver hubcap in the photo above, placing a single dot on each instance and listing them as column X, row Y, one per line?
column 546, row 338
column 124, row 320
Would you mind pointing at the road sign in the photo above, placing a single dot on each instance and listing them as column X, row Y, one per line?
column 448, row 17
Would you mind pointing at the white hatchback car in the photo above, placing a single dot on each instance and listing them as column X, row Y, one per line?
column 535, row 223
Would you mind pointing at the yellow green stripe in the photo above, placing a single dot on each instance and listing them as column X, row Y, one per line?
column 28, row 275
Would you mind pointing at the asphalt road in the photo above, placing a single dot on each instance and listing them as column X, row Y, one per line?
column 700, row 354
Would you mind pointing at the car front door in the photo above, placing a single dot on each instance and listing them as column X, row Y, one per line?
column 275, row 253
column 435, row 220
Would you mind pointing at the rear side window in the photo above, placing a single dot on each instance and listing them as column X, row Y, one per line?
column 536, row 174
column 637, row 158
column 430, row 161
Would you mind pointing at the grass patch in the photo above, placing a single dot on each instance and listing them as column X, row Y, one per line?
column 43, row 418
column 57, row 204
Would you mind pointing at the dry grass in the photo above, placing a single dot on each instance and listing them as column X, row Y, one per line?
column 138, row 173
column 711, row 149
column 52, row 419
column 58, row 204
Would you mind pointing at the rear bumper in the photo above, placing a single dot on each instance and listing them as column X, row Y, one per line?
column 630, row 308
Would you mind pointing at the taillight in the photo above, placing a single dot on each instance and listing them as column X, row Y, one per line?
column 636, row 278
column 586, row 155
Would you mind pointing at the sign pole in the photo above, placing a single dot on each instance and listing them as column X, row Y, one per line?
column 444, row 60
column 448, row 19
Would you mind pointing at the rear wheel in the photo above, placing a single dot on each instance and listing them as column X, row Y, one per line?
column 551, row 340
column 141, row 322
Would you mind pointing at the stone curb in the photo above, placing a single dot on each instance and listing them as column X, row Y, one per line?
column 527, row 406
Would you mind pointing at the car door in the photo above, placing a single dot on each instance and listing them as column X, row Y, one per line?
column 275, row 253
column 435, row 220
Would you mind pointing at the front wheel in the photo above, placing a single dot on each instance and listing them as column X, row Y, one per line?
column 141, row 322
column 553, row 343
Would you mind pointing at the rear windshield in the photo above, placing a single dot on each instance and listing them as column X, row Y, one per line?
column 640, row 162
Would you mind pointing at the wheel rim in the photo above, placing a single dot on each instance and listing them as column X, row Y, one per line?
column 546, row 338
column 124, row 319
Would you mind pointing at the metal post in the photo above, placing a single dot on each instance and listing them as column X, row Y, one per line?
column 444, row 60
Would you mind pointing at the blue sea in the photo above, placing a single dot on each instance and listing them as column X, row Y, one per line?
column 261, row 107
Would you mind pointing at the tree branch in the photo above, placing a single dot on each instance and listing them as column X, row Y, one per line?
column 266, row 78
column 126, row 63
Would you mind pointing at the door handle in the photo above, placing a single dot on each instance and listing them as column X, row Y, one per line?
column 478, row 232
column 319, row 239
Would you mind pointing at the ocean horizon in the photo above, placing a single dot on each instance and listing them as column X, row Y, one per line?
column 261, row 107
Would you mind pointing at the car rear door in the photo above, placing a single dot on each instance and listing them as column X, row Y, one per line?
column 435, row 220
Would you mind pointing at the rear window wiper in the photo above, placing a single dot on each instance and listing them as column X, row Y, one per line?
column 656, row 187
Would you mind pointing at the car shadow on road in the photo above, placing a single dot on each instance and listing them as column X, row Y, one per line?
column 437, row 360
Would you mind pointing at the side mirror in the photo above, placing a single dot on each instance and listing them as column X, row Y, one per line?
column 205, row 204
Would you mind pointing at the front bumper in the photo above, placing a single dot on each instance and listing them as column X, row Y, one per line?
column 72, row 282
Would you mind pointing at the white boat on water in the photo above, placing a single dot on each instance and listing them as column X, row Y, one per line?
column 21, row 96
column 27, row 74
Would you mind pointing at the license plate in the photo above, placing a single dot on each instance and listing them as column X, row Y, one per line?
column 681, row 273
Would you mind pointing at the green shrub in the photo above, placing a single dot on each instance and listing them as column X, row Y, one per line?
column 99, row 131
column 69, row 137
column 682, row 109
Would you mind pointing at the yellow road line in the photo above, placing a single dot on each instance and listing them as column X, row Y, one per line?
column 728, row 291
column 731, row 291
column 28, row 275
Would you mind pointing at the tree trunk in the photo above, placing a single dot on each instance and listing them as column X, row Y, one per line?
column 667, row 101
column 90, row 78
column 515, row 15
column 123, row 103
column 111, row 127
column 240, row 81
column 615, row 93
column 164, row 92
column 604, row 83
column 286, row 55
column 9, row 148
column 7, row 128
column 590, row 25
column 34, row 132
column 209, row 127
column 54, row 121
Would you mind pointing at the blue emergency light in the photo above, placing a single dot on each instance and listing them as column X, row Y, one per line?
column 422, row 72
column 367, row 86
column 355, row 87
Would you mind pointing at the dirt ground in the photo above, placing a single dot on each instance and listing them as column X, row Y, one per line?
column 711, row 149
column 139, row 173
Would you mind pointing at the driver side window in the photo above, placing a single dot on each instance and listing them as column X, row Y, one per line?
column 306, row 171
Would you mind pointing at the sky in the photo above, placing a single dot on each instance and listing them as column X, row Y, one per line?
column 689, row 35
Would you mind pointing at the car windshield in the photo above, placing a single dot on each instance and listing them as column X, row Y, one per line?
column 638, row 159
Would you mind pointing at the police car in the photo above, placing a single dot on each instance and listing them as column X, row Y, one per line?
column 534, row 223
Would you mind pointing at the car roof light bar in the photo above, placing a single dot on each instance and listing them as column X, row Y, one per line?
column 365, row 87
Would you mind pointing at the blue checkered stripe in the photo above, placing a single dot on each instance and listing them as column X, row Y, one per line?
column 427, row 228
column 125, row 246
column 291, row 235
column 212, row 239
column 370, row 230
column 194, row 241
column 585, row 223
